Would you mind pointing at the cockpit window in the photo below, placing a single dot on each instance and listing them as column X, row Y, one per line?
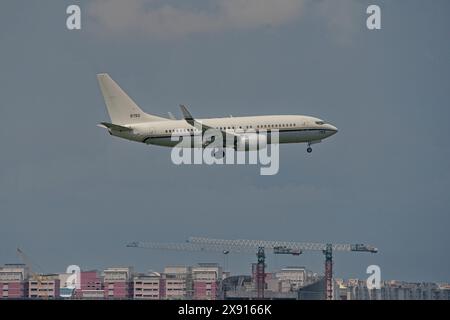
column 320, row 122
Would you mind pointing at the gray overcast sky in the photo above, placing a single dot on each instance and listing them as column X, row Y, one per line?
column 71, row 194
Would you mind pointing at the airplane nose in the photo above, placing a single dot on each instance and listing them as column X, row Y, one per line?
column 333, row 129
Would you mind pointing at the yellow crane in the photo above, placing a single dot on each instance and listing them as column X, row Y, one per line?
column 39, row 278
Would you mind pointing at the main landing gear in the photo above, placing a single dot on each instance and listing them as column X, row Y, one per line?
column 309, row 150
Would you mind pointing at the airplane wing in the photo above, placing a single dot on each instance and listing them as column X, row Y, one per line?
column 114, row 127
column 201, row 126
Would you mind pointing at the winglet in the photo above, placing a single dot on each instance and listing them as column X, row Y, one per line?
column 199, row 125
column 186, row 115
column 171, row 116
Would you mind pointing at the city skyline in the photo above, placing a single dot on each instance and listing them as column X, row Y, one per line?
column 202, row 281
column 71, row 194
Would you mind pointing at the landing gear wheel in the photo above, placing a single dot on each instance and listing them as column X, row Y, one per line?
column 309, row 150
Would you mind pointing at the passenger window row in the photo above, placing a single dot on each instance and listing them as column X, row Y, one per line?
column 262, row 126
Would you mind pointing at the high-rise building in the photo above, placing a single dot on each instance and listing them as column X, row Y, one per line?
column 118, row 283
column 206, row 279
column 148, row 286
column 91, row 285
column 13, row 281
column 293, row 278
column 44, row 287
column 177, row 282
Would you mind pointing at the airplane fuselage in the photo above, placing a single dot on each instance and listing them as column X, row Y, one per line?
column 291, row 128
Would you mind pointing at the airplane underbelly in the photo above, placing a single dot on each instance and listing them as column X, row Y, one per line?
column 300, row 136
column 164, row 142
column 294, row 136
column 186, row 142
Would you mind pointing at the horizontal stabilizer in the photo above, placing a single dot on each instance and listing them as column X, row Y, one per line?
column 114, row 127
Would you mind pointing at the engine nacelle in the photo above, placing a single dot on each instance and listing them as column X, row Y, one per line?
column 251, row 142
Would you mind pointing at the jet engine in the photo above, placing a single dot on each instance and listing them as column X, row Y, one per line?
column 251, row 142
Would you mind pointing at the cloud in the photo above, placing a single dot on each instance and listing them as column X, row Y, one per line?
column 343, row 18
column 154, row 18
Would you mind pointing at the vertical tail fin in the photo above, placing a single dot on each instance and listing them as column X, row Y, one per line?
column 121, row 108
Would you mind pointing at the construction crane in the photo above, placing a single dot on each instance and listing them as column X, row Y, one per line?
column 225, row 249
column 277, row 247
column 286, row 246
column 39, row 278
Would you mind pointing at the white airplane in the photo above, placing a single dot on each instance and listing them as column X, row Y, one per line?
column 129, row 122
